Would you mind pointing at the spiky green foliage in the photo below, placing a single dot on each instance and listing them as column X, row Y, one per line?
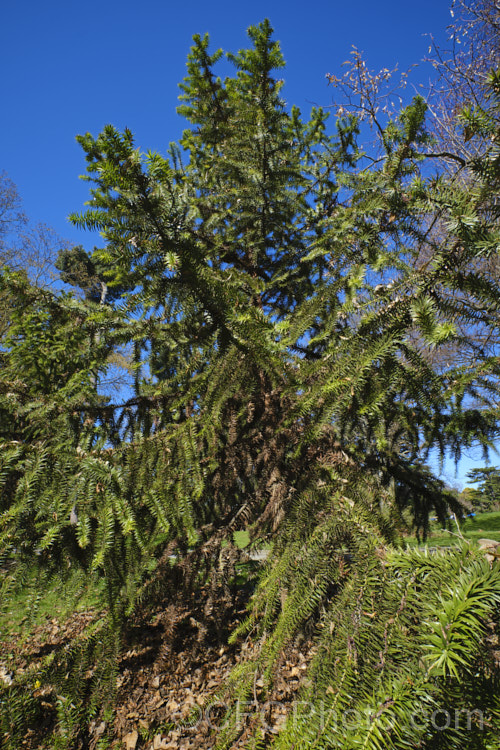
column 285, row 294
column 404, row 642
column 72, row 687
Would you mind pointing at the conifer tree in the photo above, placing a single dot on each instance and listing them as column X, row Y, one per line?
column 280, row 313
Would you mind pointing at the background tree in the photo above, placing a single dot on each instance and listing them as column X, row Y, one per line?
column 463, row 69
column 11, row 215
column 25, row 246
column 486, row 497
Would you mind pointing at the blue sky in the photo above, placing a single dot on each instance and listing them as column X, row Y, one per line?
column 71, row 67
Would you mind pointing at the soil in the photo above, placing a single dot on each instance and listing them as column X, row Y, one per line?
column 172, row 677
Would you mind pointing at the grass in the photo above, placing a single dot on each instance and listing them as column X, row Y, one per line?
column 241, row 539
column 483, row 522
column 482, row 526
column 37, row 601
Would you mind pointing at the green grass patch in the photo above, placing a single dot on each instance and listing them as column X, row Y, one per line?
column 241, row 539
column 482, row 526
column 37, row 600
column 482, row 522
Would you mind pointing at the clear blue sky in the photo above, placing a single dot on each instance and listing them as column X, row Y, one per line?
column 69, row 67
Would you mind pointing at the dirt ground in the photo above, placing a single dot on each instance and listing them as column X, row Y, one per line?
column 171, row 682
